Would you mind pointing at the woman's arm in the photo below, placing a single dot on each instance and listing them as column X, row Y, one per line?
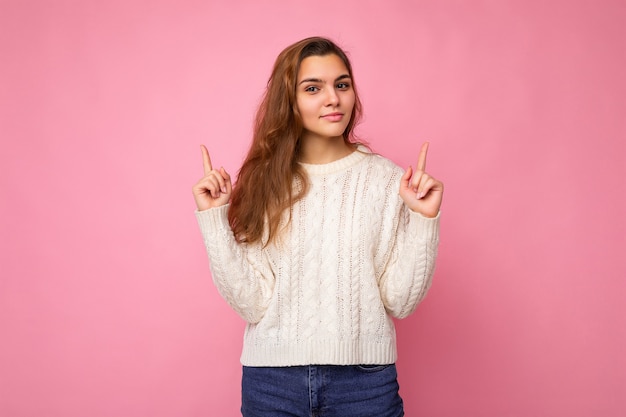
column 408, row 273
column 411, row 263
column 240, row 272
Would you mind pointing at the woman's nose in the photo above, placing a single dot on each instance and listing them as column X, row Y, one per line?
column 332, row 98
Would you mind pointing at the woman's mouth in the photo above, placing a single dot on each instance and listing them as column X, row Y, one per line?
column 333, row 117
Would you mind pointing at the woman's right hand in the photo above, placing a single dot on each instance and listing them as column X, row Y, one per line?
column 215, row 188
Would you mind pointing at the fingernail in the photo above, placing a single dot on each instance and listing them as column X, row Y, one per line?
column 420, row 195
column 224, row 190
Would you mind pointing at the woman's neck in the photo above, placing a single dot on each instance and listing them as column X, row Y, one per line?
column 318, row 150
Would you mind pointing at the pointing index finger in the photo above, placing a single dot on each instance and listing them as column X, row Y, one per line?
column 206, row 160
column 421, row 161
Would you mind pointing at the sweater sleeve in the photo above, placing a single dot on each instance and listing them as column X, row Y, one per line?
column 408, row 273
column 241, row 272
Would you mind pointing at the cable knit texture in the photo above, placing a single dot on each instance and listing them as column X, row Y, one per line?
column 352, row 257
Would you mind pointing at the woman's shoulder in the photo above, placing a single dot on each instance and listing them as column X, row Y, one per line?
column 382, row 164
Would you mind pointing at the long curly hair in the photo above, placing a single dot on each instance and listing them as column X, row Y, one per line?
column 271, row 180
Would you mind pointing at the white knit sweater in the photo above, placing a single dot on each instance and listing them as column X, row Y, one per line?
column 353, row 256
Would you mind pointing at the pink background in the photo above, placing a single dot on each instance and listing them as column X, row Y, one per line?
column 106, row 302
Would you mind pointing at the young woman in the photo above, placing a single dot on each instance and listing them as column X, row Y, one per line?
column 318, row 245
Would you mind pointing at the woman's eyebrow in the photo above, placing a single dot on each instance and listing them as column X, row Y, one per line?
column 319, row 80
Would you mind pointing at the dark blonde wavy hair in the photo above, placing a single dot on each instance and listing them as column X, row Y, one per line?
column 265, row 183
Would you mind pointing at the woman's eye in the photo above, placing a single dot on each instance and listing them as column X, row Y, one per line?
column 343, row 86
column 311, row 89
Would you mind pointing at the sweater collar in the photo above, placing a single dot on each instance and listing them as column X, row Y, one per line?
column 339, row 165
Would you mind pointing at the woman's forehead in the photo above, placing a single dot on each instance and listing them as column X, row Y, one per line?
column 322, row 67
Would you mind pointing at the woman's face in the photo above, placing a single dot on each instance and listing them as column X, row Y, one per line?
column 324, row 96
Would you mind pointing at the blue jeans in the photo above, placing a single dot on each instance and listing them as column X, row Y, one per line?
column 321, row 391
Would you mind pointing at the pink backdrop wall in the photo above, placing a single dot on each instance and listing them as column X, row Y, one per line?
column 106, row 302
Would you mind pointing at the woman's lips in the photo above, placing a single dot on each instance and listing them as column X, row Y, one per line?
column 333, row 117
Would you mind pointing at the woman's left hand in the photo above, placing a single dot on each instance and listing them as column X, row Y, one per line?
column 419, row 191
